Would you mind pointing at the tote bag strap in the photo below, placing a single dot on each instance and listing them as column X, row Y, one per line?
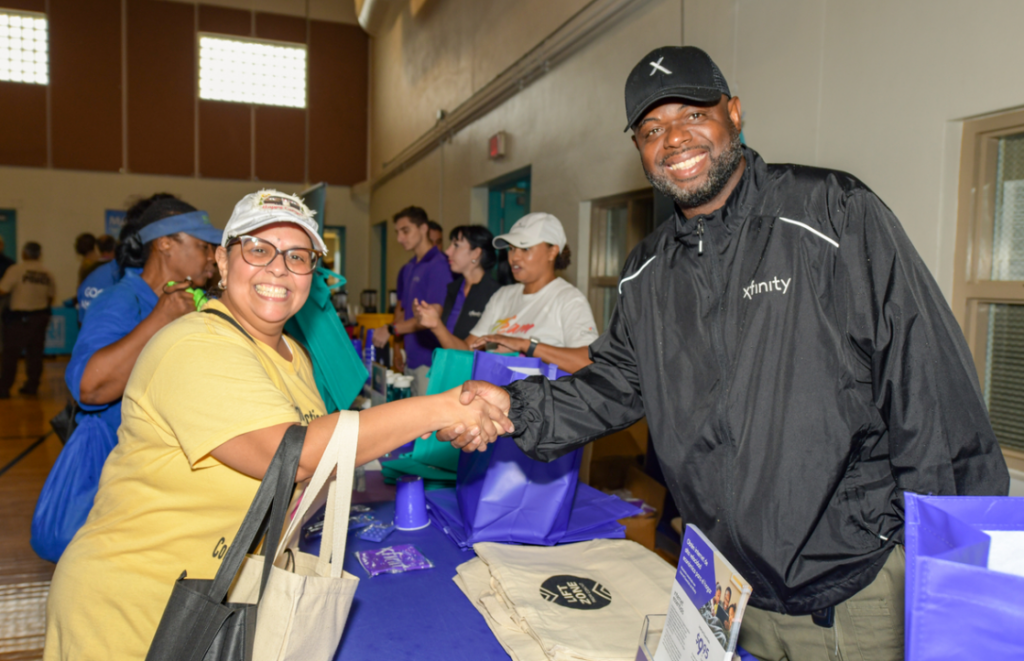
column 340, row 456
column 275, row 490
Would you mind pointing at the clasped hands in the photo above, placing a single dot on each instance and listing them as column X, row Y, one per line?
column 481, row 416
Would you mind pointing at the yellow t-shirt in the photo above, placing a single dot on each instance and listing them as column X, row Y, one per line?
column 164, row 504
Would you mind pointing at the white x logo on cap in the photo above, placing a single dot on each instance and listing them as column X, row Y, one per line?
column 656, row 66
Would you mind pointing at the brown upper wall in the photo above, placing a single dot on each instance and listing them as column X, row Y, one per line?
column 164, row 129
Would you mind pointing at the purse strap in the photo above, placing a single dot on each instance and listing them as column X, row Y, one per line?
column 273, row 496
column 230, row 320
column 340, row 457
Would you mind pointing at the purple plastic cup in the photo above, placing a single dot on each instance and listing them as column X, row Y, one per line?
column 410, row 504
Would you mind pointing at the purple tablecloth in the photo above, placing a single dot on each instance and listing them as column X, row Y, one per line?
column 419, row 615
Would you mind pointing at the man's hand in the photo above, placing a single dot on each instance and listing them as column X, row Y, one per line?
column 381, row 337
column 517, row 344
column 461, row 436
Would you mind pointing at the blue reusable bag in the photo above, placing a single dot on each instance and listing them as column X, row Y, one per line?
column 70, row 488
column 505, row 496
column 957, row 608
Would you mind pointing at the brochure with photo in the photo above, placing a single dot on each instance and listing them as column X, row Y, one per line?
column 706, row 607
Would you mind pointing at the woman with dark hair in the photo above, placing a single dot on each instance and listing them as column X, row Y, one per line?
column 170, row 241
column 471, row 255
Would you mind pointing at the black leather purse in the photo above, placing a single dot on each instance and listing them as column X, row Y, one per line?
column 198, row 624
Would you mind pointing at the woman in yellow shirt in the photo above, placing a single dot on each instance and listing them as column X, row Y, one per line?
column 203, row 413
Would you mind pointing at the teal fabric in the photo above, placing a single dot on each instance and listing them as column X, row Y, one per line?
column 449, row 368
column 338, row 371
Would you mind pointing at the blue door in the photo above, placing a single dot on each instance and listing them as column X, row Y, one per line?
column 9, row 232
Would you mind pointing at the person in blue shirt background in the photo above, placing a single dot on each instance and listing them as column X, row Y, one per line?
column 109, row 273
column 171, row 241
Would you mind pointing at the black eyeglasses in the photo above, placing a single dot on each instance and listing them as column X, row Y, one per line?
column 257, row 252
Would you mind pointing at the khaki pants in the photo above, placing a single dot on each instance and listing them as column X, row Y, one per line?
column 869, row 625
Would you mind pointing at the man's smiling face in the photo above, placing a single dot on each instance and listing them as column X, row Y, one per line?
column 691, row 152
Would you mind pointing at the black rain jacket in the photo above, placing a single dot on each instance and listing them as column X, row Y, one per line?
column 799, row 370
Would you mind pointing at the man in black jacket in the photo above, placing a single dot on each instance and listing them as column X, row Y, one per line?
column 798, row 366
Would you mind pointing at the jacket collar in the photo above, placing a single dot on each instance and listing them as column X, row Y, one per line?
column 742, row 199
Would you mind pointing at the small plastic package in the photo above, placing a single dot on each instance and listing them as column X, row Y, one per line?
column 376, row 531
column 392, row 560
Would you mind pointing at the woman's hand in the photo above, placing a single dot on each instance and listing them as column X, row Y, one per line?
column 470, row 394
column 517, row 344
column 475, row 421
column 427, row 314
column 174, row 302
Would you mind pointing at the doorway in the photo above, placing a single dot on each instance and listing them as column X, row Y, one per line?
column 508, row 200
column 334, row 260
column 379, row 263
column 617, row 224
column 9, row 232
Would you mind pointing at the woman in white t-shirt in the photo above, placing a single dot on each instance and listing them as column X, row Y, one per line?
column 541, row 315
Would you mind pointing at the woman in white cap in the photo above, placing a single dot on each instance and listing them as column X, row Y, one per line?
column 205, row 408
column 541, row 315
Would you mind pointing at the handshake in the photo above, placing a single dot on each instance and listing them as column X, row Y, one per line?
column 477, row 415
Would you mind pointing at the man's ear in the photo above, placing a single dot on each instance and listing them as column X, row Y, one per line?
column 635, row 143
column 735, row 112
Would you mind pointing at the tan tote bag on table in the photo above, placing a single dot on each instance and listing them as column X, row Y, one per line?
column 302, row 614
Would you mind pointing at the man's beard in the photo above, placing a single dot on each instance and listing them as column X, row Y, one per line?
column 722, row 167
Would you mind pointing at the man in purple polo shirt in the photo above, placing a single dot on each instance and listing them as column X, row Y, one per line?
column 425, row 278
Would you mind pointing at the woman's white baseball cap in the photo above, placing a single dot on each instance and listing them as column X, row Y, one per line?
column 531, row 229
column 267, row 207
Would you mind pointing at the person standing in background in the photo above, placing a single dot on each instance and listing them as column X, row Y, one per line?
column 5, row 263
column 436, row 234
column 425, row 277
column 85, row 247
column 31, row 286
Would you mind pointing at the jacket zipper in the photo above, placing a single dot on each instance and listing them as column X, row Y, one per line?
column 718, row 340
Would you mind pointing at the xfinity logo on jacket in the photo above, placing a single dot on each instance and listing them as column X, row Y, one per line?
column 775, row 284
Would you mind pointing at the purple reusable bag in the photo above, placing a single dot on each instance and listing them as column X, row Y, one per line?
column 503, row 495
column 957, row 608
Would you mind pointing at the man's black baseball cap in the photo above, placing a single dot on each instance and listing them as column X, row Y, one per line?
column 672, row 72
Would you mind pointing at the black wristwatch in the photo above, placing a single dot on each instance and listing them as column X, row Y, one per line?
column 391, row 329
column 533, row 347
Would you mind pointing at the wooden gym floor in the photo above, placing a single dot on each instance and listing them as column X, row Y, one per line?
column 24, row 577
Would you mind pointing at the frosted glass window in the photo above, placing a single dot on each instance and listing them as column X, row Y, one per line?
column 24, row 47
column 255, row 71
column 1008, row 228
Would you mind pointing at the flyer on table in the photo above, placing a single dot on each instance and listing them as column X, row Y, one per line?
column 706, row 606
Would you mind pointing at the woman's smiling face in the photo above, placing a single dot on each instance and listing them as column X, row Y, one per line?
column 265, row 296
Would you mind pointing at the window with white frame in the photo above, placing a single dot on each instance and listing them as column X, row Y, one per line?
column 24, row 47
column 257, row 71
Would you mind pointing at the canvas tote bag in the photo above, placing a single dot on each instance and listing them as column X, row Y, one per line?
column 307, row 599
column 199, row 623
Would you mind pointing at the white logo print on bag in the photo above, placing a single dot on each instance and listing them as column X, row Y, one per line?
column 775, row 284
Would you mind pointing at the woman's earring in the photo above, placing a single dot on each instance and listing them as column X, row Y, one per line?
column 222, row 284
column 474, row 261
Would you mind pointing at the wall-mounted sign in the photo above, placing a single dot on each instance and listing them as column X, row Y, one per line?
column 496, row 145
column 113, row 222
